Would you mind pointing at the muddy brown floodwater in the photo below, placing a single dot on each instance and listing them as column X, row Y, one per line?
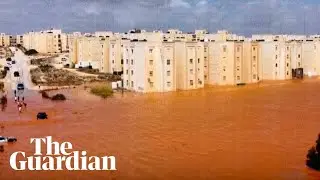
column 253, row 132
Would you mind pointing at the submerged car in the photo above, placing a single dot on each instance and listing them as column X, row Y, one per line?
column 11, row 139
column 20, row 86
column 42, row 115
column 16, row 74
column 3, row 139
column 7, row 139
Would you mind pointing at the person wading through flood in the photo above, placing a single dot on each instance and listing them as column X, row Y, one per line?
column 19, row 106
column 25, row 104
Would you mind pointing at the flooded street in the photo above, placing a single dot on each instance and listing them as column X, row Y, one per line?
column 251, row 132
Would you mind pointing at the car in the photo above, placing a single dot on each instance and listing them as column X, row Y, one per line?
column 20, row 86
column 42, row 115
column 6, row 68
column 3, row 139
column 11, row 139
column 7, row 139
column 13, row 62
column 8, row 59
column 16, row 74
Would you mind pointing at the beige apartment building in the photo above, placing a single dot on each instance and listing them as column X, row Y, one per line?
column 189, row 58
column 310, row 57
column 90, row 51
column 19, row 39
column 4, row 40
column 146, row 68
column 276, row 60
column 44, row 41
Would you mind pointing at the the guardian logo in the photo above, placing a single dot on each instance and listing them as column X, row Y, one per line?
column 63, row 158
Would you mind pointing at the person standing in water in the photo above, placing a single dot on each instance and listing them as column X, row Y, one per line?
column 19, row 107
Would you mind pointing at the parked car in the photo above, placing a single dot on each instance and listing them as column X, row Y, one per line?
column 16, row 74
column 42, row 115
column 20, row 86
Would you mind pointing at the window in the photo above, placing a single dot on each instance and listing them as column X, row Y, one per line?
column 238, row 49
column 150, row 62
column 168, row 73
column 254, row 58
column 112, row 46
column 121, row 61
column 276, row 64
column 131, row 72
column 168, row 84
column 151, row 73
column 224, row 78
column 276, row 47
column 205, row 49
column 287, row 64
column 198, row 60
column 191, row 82
column 205, row 59
column 205, row 77
column 112, row 61
column 276, row 56
column 191, row 61
column 199, row 82
column 127, row 82
column 238, row 68
column 287, row 48
column 238, row 59
column 238, row 78
column 127, row 61
column 287, row 56
column 253, row 48
column 224, row 48
column 150, row 50
column 191, row 71
column 224, row 68
column 168, row 62
column 298, row 55
column 298, row 64
column 151, row 84
column 132, row 84
column 131, row 61
column 254, row 76
column 254, row 65
column 132, row 51
column 127, row 71
column 287, row 73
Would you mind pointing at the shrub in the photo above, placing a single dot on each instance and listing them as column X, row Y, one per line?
column 45, row 95
column 313, row 156
column 102, row 91
column 31, row 52
column 58, row 97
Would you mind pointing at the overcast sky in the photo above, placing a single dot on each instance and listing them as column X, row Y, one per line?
column 244, row 17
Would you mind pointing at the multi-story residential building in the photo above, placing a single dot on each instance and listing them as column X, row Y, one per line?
column 19, row 39
column 12, row 40
column 296, row 54
column 189, row 58
column 4, row 40
column 276, row 60
column 116, row 55
column 91, row 51
column 44, row 41
column 144, row 68
column 310, row 57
